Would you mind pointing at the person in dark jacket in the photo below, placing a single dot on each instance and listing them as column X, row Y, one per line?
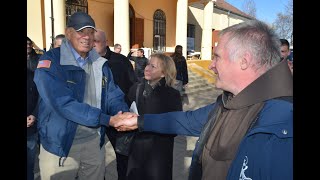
column 32, row 56
column 124, row 77
column 117, row 48
column 248, row 132
column 78, row 100
column 58, row 40
column 182, row 69
column 122, row 70
column 285, row 53
column 151, row 154
column 32, row 110
column 140, row 62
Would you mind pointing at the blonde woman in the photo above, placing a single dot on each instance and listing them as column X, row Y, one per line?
column 151, row 154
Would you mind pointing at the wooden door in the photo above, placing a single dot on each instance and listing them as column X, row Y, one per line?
column 138, row 33
column 215, row 39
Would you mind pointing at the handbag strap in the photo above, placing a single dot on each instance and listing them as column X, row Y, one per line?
column 137, row 93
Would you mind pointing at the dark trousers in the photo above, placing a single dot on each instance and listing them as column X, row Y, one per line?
column 122, row 160
column 31, row 155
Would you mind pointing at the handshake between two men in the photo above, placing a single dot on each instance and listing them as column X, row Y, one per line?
column 124, row 121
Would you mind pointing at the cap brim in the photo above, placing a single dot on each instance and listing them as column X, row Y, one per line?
column 86, row 27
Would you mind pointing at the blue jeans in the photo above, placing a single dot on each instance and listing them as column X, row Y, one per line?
column 31, row 154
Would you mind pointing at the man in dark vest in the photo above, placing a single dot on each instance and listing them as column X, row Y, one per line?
column 124, row 77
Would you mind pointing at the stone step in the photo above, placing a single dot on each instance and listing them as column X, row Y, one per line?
column 199, row 97
column 194, row 87
column 198, row 90
column 199, row 84
column 194, row 78
column 197, row 81
column 205, row 73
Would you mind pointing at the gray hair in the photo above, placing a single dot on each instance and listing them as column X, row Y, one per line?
column 255, row 37
column 117, row 45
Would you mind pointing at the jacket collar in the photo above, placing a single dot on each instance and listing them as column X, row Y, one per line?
column 67, row 57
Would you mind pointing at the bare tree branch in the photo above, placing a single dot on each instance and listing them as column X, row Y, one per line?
column 283, row 25
column 249, row 7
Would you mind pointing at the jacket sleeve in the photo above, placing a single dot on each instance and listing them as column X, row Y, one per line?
column 36, row 108
column 188, row 123
column 115, row 96
column 130, row 57
column 53, row 90
column 282, row 159
column 132, row 76
column 266, row 152
column 263, row 156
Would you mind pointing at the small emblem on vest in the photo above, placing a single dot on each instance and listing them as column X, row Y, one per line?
column 243, row 169
column 104, row 81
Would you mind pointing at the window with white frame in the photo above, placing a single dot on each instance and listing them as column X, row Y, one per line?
column 159, row 31
column 73, row 6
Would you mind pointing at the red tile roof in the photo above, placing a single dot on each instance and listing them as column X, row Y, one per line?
column 221, row 4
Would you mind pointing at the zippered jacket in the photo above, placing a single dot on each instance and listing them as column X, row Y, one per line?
column 61, row 85
column 271, row 135
column 266, row 149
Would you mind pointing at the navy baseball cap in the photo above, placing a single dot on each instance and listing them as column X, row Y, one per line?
column 81, row 20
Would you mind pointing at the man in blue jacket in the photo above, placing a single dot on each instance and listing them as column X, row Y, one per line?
column 247, row 134
column 78, row 101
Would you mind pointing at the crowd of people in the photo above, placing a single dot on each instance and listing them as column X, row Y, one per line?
column 245, row 134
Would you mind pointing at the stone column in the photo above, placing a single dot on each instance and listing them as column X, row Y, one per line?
column 48, row 24
column 121, row 25
column 58, row 18
column 59, row 15
column 206, row 42
column 181, row 25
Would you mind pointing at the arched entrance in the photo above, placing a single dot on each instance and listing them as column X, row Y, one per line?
column 136, row 29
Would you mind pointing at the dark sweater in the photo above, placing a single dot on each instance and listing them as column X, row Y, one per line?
column 140, row 64
column 122, row 71
column 32, row 98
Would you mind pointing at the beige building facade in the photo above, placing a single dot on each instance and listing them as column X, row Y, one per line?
column 157, row 25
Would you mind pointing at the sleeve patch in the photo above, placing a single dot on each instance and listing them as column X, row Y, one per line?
column 44, row 64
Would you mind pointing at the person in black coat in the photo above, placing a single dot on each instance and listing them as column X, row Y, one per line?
column 32, row 110
column 122, row 71
column 124, row 77
column 140, row 62
column 151, row 154
column 182, row 69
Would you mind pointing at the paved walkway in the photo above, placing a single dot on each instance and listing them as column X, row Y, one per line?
column 183, row 146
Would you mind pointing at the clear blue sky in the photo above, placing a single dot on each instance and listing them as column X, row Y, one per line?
column 266, row 10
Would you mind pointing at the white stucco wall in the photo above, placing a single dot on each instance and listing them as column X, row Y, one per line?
column 220, row 20
column 34, row 22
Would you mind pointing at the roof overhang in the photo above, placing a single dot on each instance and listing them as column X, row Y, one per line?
column 198, row 1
